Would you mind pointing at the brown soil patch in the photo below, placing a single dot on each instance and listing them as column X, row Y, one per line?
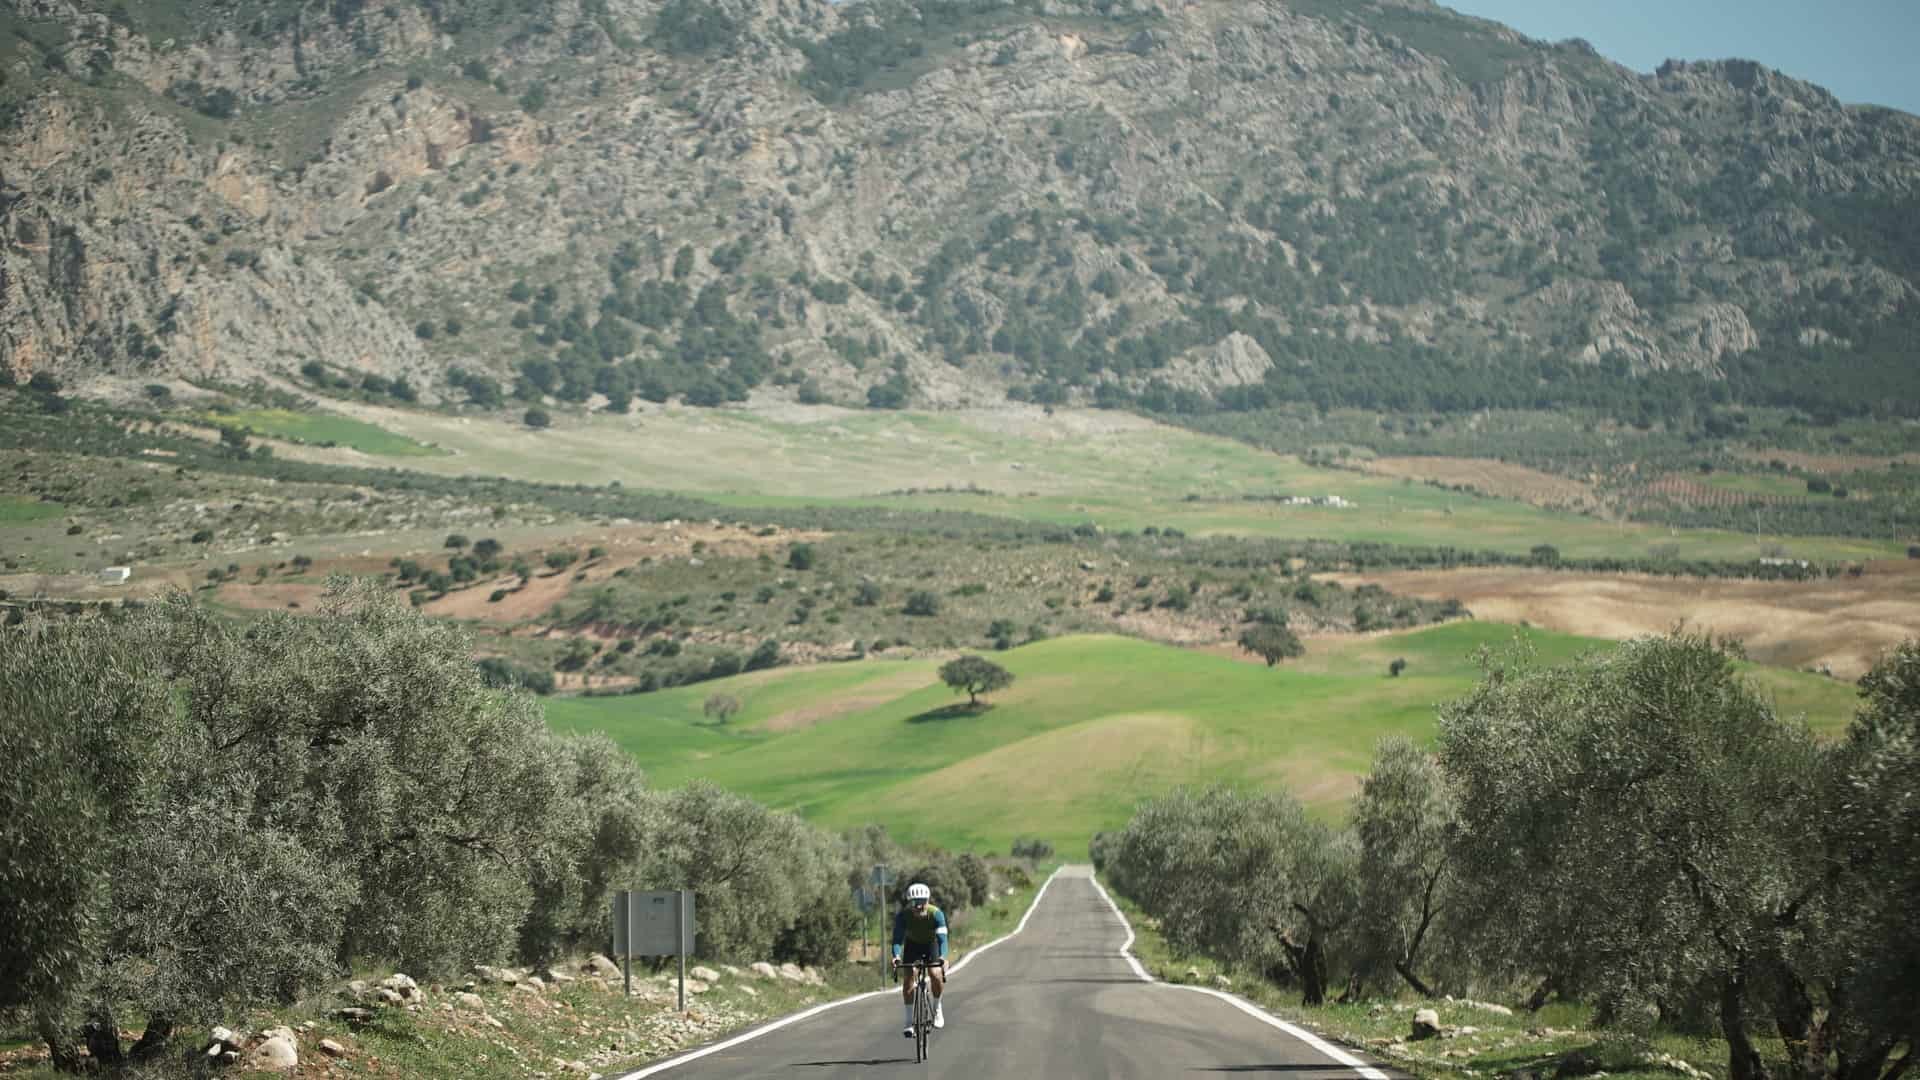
column 1844, row 623
column 1492, row 478
column 877, row 692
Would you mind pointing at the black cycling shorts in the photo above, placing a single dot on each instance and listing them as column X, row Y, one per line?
column 909, row 953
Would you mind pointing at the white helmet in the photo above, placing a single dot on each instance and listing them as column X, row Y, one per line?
column 918, row 891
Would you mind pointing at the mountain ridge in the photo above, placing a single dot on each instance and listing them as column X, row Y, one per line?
column 1178, row 207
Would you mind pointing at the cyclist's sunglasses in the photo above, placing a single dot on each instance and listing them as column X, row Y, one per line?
column 919, row 901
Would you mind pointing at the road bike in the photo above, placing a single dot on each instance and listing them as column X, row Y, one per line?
column 923, row 1004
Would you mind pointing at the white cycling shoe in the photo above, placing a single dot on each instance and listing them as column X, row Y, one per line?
column 939, row 1017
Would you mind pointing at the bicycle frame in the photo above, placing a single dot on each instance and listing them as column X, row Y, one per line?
column 922, row 1002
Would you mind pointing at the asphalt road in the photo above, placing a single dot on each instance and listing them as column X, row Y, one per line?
column 1056, row 1000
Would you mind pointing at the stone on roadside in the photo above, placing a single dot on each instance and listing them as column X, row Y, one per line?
column 1426, row 1024
column 469, row 1001
column 599, row 965
column 384, row 996
column 1222, row 982
column 695, row 986
column 704, row 974
column 278, row 1053
column 332, row 1049
column 354, row 1016
column 762, row 969
column 791, row 972
column 402, row 985
column 556, row 976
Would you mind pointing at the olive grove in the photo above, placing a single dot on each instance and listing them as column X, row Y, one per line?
column 200, row 816
column 1638, row 830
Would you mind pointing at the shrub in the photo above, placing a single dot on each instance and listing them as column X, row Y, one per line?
column 923, row 603
column 1035, row 849
column 1399, row 665
column 537, row 418
column 800, row 557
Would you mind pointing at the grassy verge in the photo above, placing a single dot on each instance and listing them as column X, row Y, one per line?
column 1480, row 1041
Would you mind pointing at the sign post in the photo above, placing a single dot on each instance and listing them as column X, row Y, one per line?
column 881, row 878
column 654, row 924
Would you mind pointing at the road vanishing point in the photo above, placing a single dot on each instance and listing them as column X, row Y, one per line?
column 1058, row 999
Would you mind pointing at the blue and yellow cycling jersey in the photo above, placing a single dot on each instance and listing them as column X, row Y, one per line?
column 926, row 930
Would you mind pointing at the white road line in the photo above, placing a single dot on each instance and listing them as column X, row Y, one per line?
column 1336, row 1053
column 784, row 1021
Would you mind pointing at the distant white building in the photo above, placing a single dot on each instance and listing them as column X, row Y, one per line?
column 115, row 575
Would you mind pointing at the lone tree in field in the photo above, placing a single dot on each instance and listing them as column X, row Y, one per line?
column 721, row 707
column 975, row 675
column 1272, row 643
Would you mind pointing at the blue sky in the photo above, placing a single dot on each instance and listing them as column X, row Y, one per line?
column 1865, row 51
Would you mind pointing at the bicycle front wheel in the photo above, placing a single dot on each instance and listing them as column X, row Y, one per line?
column 923, row 1019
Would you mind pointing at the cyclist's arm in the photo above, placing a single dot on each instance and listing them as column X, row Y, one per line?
column 899, row 931
column 940, row 932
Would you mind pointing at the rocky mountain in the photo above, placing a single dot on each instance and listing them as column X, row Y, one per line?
column 1177, row 205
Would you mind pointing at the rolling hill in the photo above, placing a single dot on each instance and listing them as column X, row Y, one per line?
column 1090, row 725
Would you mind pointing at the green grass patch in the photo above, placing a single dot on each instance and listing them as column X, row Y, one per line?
column 323, row 429
column 18, row 509
column 1091, row 725
column 1757, row 484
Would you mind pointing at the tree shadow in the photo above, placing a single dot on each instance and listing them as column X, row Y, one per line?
column 950, row 712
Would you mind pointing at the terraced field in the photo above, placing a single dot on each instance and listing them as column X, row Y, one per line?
column 1090, row 725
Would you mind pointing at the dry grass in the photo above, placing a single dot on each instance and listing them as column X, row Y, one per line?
column 1495, row 478
column 1844, row 623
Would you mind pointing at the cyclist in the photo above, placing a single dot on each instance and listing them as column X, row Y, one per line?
column 920, row 933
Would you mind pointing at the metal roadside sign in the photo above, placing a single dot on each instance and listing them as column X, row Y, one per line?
column 653, row 924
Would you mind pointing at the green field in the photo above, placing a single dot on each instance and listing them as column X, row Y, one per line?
column 321, row 428
column 1758, row 484
column 16, row 509
column 1091, row 725
column 1115, row 470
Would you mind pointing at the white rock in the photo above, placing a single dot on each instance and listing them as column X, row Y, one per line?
column 600, row 965
column 764, row 970
column 276, row 1053
column 704, row 974
column 1426, row 1024
column 384, row 996
column 792, row 973
column 695, row 986
column 402, row 985
column 469, row 1001
column 281, row 1032
column 332, row 1049
column 224, row 1036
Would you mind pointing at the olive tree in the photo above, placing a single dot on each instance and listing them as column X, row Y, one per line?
column 1247, row 878
column 602, row 828
column 1851, row 995
column 1634, row 824
column 217, row 816
column 1403, row 822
